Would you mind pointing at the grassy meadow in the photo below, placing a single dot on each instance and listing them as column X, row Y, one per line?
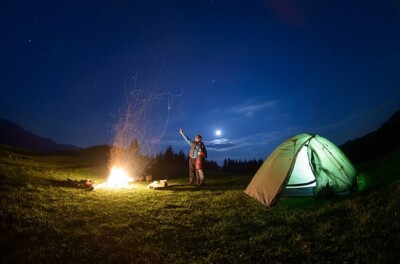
column 44, row 221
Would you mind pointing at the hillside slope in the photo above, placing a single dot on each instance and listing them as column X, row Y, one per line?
column 377, row 143
column 14, row 135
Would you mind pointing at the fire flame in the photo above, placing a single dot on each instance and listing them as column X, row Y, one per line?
column 118, row 178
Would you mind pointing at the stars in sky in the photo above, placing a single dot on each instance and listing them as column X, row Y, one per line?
column 260, row 71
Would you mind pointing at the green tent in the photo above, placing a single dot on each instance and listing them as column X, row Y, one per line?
column 303, row 162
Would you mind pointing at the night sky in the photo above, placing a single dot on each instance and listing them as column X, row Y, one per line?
column 258, row 71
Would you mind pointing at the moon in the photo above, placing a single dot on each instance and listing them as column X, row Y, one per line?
column 218, row 132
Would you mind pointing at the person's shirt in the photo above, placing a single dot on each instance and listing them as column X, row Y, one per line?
column 193, row 148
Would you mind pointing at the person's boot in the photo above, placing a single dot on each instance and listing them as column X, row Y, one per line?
column 191, row 179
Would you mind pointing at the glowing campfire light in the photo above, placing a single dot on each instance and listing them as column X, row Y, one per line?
column 118, row 178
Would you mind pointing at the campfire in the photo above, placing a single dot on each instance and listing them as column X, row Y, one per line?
column 118, row 178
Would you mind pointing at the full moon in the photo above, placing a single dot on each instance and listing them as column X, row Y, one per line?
column 218, row 132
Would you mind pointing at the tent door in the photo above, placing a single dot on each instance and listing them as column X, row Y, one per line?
column 302, row 175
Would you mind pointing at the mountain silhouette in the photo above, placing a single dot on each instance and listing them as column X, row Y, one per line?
column 14, row 135
column 374, row 144
column 377, row 143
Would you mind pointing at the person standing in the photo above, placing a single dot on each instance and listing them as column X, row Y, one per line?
column 197, row 155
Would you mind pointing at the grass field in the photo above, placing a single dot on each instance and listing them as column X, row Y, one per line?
column 44, row 221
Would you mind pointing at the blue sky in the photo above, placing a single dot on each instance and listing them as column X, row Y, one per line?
column 260, row 71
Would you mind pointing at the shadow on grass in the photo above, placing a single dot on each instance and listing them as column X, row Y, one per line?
column 207, row 187
column 24, row 181
column 75, row 184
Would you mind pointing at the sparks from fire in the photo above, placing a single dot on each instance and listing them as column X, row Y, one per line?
column 144, row 117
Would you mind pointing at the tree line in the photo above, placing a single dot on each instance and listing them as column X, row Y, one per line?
column 242, row 166
column 229, row 165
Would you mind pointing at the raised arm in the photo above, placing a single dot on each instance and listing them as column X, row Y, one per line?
column 186, row 138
